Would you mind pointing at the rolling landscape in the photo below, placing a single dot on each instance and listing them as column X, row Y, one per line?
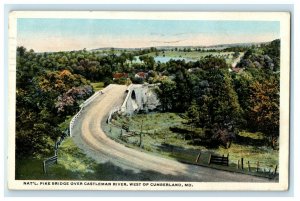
column 172, row 111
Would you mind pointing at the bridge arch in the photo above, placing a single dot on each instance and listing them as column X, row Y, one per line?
column 133, row 95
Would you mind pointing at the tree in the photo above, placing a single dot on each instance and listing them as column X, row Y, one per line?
column 210, row 61
column 37, row 94
column 263, row 112
column 183, row 92
column 236, row 54
column 165, row 92
column 266, row 57
column 68, row 103
column 148, row 61
column 216, row 98
column 131, row 57
column 192, row 114
column 217, row 106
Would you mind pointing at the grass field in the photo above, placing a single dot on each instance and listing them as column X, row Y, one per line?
column 97, row 86
column 157, row 138
column 66, row 123
column 72, row 164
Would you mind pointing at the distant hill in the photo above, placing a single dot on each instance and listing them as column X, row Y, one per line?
column 219, row 46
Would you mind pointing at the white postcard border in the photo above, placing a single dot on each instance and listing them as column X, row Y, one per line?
column 283, row 17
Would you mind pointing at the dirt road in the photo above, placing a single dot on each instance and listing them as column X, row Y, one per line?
column 89, row 136
column 237, row 60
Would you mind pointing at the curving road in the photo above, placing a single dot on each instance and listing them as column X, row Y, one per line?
column 90, row 137
column 237, row 60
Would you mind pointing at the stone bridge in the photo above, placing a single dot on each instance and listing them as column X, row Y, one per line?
column 140, row 97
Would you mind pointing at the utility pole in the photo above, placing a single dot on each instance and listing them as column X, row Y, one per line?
column 141, row 133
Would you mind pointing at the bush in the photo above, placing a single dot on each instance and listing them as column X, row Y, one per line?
column 137, row 80
column 221, row 136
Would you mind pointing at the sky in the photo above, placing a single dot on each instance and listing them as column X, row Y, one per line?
column 74, row 34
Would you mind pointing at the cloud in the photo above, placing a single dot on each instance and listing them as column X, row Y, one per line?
column 168, row 42
column 157, row 34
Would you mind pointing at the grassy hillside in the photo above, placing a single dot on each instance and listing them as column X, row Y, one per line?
column 158, row 138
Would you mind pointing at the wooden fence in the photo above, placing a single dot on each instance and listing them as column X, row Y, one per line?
column 84, row 104
column 257, row 166
column 53, row 160
column 50, row 161
column 260, row 168
column 219, row 160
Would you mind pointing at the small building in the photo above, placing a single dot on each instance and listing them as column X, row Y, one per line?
column 120, row 75
column 141, row 75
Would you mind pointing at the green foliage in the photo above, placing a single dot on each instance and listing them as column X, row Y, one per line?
column 169, row 136
column 97, row 86
column 216, row 107
column 51, row 86
column 266, row 57
column 148, row 60
column 43, row 100
column 258, row 89
column 183, row 93
column 72, row 164
column 210, row 61
column 137, row 80
column 165, row 93
column 193, row 113
column 222, row 102
column 264, row 105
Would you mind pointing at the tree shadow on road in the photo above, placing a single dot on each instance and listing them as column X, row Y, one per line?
column 110, row 172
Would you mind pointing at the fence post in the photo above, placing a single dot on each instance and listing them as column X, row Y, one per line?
column 227, row 159
column 198, row 157
column 257, row 166
column 238, row 164
column 222, row 158
column 44, row 167
column 275, row 171
column 140, row 140
column 242, row 163
column 209, row 159
column 249, row 166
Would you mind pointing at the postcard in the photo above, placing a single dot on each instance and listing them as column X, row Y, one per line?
column 158, row 101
